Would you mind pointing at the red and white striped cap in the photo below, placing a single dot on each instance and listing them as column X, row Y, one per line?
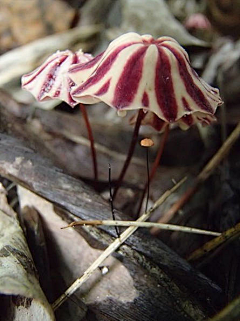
column 153, row 74
column 51, row 80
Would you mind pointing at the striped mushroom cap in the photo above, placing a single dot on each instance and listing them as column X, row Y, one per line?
column 51, row 80
column 153, row 74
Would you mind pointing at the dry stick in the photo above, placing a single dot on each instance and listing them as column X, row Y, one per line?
column 154, row 167
column 111, row 249
column 202, row 176
column 214, row 243
column 169, row 227
column 91, row 139
column 130, row 151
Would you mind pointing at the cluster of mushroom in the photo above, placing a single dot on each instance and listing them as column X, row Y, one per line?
column 134, row 72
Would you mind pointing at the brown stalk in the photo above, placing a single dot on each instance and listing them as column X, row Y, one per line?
column 91, row 139
column 130, row 151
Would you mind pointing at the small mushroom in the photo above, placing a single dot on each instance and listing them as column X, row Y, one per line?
column 151, row 75
column 135, row 72
column 147, row 142
column 140, row 72
column 51, row 80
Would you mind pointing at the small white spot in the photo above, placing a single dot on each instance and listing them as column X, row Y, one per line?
column 121, row 113
column 18, row 160
column 104, row 270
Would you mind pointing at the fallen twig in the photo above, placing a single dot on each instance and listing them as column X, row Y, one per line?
column 202, row 176
column 162, row 226
column 216, row 242
column 112, row 248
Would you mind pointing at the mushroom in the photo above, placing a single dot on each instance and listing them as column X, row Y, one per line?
column 135, row 72
column 147, row 142
column 151, row 75
column 51, row 81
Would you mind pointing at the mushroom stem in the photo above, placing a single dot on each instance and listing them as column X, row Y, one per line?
column 148, row 180
column 111, row 197
column 154, row 167
column 130, row 151
column 91, row 139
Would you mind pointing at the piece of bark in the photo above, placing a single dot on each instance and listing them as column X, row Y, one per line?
column 37, row 245
column 27, row 168
column 18, row 277
column 63, row 138
column 13, row 118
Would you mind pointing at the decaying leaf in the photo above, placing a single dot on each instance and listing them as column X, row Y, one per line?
column 18, row 276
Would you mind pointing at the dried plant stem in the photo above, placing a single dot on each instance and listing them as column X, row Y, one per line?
column 215, row 243
column 130, row 151
column 111, row 249
column 169, row 227
column 203, row 175
column 154, row 167
column 91, row 139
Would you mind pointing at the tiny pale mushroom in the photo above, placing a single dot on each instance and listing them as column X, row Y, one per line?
column 197, row 21
column 147, row 142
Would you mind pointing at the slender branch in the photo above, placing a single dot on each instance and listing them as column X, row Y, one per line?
column 215, row 243
column 112, row 248
column 169, row 227
column 91, row 139
column 203, row 175
column 130, row 151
